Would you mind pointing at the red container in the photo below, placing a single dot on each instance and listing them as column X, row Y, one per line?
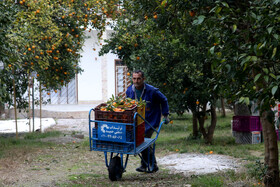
column 140, row 133
column 122, row 117
column 246, row 123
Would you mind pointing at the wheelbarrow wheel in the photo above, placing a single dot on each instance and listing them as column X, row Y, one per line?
column 115, row 169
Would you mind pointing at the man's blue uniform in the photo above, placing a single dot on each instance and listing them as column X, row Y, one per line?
column 157, row 104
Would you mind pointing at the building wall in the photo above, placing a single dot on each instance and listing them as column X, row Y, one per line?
column 97, row 82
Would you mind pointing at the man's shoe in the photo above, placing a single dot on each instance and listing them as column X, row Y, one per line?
column 141, row 169
column 155, row 169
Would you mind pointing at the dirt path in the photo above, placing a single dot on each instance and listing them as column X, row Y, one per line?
column 69, row 156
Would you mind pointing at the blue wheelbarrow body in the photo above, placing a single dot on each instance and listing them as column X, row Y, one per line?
column 119, row 139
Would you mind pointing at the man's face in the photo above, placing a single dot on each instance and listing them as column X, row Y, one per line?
column 138, row 80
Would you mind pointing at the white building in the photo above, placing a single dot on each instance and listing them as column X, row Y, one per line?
column 103, row 76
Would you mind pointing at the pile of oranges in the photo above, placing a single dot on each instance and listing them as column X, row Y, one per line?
column 118, row 104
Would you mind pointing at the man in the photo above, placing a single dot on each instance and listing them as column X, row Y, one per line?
column 157, row 104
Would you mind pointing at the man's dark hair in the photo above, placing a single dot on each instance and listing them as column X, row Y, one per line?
column 139, row 71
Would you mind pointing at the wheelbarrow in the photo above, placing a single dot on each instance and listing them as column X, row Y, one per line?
column 119, row 139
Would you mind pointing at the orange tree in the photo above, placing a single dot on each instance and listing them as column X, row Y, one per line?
column 172, row 52
column 247, row 59
column 227, row 48
column 7, row 51
column 47, row 36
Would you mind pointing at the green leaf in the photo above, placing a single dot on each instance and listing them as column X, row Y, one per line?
column 218, row 10
column 212, row 49
column 199, row 20
column 274, row 89
column 247, row 100
column 269, row 29
column 257, row 77
column 263, row 45
column 254, row 58
column 274, row 52
column 273, row 76
column 225, row 4
column 265, row 70
column 266, row 78
column 247, row 59
column 234, row 27
column 276, row 1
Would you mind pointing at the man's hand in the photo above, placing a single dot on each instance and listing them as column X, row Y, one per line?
column 166, row 119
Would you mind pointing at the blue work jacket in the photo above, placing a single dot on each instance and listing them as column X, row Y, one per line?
column 157, row 104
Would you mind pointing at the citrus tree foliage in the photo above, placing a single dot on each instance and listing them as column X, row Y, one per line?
column 172, row 52
column 248, row 38
column 166, row 41
column 46, row 36
column 198, row 50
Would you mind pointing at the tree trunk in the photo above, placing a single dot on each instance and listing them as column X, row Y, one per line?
column 195, row 126
column 223, row 107
column 211, row 128
column 271, row 178
column 2, row 110
column 209, row 133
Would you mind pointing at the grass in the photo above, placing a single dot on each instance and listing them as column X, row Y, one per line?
column 177, row 137
column 25, row 142
column 174, row 138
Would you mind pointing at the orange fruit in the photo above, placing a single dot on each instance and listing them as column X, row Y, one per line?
column 10, row 65
column 197, row 102
column 164, row 84
column 136, row 45
column 49, row 93
column 38, row 75
column 192, row 13
column 128, row 74
column 29, row 49
column 171, row 122
column 155, row 16
column 55, row 91
column 37, row 57
column 138, row 58
column 120, row 47
column 37, row 11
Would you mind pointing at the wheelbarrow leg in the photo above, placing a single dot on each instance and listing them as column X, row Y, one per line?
column 151, row 167
column 148, row 158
